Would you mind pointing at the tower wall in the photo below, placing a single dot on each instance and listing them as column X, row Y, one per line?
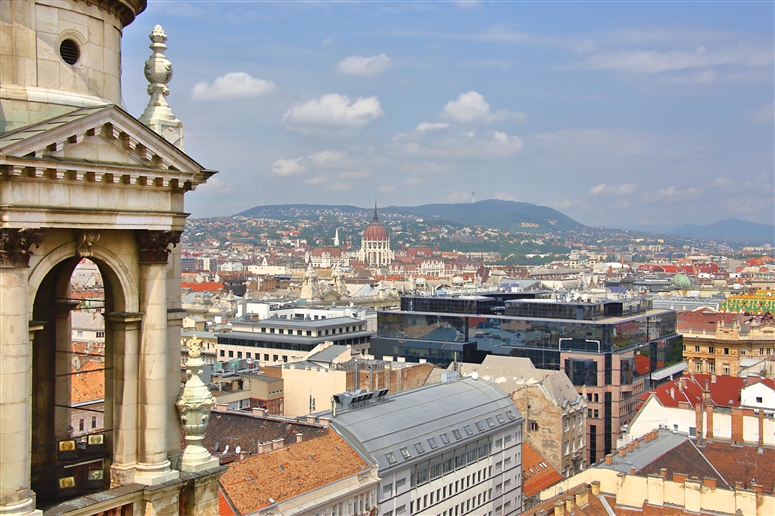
column 36, row 81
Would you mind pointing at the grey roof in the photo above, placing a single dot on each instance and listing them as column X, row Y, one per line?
column 647, row 453
column 310, row 324
column 327, row 355
column 514, row 373
column 416, row 415
column 292, row 339
column 200, row 334
column 87, row 320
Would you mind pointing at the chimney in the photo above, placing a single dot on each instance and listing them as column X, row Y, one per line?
column 738, row 485
column 706, row 394
column 277, row 444
column 570, row 506
column 609, row 459
column 264, row 447
column 221, row 407
column 299, row 437
column 325, row 421
column 672, row 392
column 310, row 420
column 582, row 497
column 595, row 487
column 761, row 429
column 757, row 487
column 559, row 509
column 622, row 452
column 709, row 431
column 663, row 472
column 681, row 384
column 698, row 423
column 630, row 447
column 636, row 443
column 679, row 478
column 709, row 482
column 259, row 412
column 713, row 378
column 632, row 470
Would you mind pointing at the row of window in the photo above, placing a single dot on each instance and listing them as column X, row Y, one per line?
column 311, row 333
column 420, row 449
column 248, row 354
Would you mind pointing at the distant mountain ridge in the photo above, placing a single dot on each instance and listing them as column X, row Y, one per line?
column 732, row 230
column 504, row 215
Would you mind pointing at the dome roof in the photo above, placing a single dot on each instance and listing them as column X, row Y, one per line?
column 681, row 281
column 375, row 231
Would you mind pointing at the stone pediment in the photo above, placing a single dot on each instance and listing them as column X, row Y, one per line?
column 103, row 144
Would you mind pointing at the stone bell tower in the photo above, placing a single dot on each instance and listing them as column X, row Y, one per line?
column 80, row 178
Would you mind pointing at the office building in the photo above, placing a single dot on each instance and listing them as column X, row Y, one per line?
column 611, row 349
column 451, row 448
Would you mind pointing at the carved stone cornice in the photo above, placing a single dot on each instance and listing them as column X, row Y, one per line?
column 154, row 245
column 15, row 245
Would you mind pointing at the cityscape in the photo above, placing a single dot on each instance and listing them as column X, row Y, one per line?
column 388, row 296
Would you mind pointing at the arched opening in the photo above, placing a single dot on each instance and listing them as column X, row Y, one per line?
column 71, row 360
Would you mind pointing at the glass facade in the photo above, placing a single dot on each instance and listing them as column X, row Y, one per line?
column 582, row 371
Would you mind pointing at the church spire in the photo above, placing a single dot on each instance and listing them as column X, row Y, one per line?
column 376, row 217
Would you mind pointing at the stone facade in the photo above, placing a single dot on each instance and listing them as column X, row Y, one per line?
column 92, row 183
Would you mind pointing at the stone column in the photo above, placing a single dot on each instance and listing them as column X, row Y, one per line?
column 121, row 397
column 153, row 467
column 16, row 497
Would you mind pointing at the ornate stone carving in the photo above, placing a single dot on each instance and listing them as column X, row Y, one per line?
column 158, row 70
column 15, row 246
column 86, row 241
column 154, row 245
column 194, row 405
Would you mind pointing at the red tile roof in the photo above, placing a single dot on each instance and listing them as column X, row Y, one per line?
column 224, row 508
column 207, row 286
column 537, row 473
column 724, row 391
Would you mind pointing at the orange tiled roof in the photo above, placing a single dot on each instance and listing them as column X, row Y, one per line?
column 537, row 473
column 289, row 472
column 88, row 383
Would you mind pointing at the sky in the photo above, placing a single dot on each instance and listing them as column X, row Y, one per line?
column 614, row 113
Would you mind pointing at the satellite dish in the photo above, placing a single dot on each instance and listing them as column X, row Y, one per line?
column 474, row 375
column 225, row 449
column 217, row 445
column 237, row 449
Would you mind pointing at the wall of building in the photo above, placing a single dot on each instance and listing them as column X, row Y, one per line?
column 320, row 383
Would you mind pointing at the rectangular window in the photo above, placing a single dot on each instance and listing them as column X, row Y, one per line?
column 239, row 354
column 401, row 509
column 456, row 433
column 405, row 453
column 388, row 490
column 418, row 447
column 432, row 443
column 391, row 460
column 726, row 351
column 400, row 482
column 498, row 465
column 759, row 399
column 231, row 354
column 223, row 353
column 498, row 444
column 491, row 423
column 696, row 349
column 711, row 349
column 468, row 430
column 444, row 438
column 507, row 439
column 266, row 357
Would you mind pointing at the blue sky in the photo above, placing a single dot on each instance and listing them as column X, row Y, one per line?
column 617, row 113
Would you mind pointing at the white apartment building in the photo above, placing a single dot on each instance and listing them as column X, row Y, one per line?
column 448, row 449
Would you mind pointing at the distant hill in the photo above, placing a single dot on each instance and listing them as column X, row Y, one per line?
column 504, row 215
column 730, row 230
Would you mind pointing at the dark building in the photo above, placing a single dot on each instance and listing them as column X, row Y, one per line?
column 609, row 349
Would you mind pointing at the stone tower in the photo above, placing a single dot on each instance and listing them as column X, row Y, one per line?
column 81, row 178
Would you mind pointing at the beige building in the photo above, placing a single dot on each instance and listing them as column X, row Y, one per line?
column 732, row 344
column 81, row 178
column 554, row 412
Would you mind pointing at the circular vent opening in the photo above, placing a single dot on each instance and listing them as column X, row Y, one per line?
column 69, row 51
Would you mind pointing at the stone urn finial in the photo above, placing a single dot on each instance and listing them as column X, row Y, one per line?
column 194, row 405
column 158, row 71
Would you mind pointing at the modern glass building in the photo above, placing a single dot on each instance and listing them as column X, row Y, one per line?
column 608, row 349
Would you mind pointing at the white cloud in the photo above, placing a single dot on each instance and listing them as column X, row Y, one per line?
column 326, row 42
column 324, row 157
column 333, row 110
column 764, row 115
column 721, row 181
column 386, row 188
column 317, row 180
column 360, row 65
column 503, row 196
column 471, row 107
column 428, row 126
column 603, row 188
column 233, row 85
column 456, row 145
column 655, row 61
column 289, row 167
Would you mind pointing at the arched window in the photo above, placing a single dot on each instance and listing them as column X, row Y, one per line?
column 94, row 422
column 80, row 425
